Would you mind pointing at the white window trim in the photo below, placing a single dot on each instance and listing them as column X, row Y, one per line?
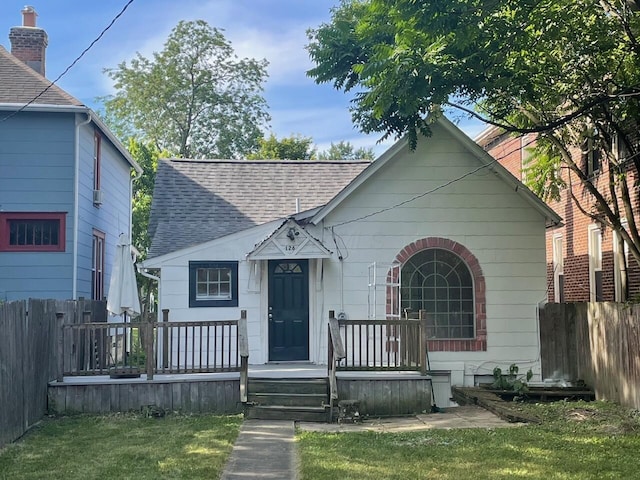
column 595, row 258
column 617, row 270
column 218, row 283
column 558, row 265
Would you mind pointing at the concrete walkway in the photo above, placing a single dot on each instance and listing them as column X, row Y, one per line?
column 266, row 448
column 455, row 417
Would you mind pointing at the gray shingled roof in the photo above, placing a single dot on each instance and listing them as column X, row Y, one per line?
column 20, row 84
column 195, row 201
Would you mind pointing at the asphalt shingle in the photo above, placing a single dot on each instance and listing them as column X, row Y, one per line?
column 20, row 84
column 195, row 201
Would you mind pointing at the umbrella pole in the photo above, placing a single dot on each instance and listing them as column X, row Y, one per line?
column 125, row 363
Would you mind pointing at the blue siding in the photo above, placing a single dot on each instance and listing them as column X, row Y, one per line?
column 112, row 217
column 37, row 166
column 36, row 175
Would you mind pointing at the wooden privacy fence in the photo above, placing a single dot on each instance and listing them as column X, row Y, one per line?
column 28, row 335
column 132, row 348
column 596, row 342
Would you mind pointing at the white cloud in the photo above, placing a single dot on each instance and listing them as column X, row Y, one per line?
column 288, row 60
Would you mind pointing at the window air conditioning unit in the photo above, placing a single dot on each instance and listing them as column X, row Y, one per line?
column 97, row 197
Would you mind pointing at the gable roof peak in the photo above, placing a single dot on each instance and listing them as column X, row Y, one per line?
column 21, row 85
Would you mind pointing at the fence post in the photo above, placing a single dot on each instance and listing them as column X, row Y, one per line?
column 243, row 350
column 332, row 315
column 60, row 328
column 165, row 338
column 87, row 344
column 149, row 327
column 424, row 343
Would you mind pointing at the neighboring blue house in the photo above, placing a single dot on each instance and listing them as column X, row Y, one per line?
column 65, row 182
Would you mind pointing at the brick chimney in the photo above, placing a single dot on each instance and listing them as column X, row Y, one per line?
column 28, row 42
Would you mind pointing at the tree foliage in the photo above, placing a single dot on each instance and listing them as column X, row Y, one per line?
column 345, row 151
column 294, row 147
column 194, row 98
column 146, row 155
column 567, row 70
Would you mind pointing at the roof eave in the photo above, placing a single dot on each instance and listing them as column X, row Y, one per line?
column 159, row 260
column 43, row 107
column 372, row 168
column 112, row 138
column 552, row 218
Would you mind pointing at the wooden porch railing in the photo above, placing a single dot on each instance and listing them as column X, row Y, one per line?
column 153, row 347
column 384, row 345
column 336, row 355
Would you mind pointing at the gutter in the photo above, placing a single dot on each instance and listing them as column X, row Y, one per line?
column 76, row 201
column 143, row 271
column 133, row 179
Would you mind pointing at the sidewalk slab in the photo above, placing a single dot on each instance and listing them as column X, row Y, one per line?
column 455, row 417
column 264, row 449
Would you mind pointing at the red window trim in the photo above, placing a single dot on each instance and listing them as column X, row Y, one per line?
column 6, row 217
column 97, row 147
column 477, row 344
column 97, row 275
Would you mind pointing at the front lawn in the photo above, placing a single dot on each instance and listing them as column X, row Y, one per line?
column 123, row 446
column 578, row 440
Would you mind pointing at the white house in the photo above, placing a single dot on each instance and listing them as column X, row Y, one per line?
column 443, row 228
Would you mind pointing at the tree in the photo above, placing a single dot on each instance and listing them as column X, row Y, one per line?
column 146, row 155
column 346, row 151
column 294, row 147
column 194, row 98
column 567, row 70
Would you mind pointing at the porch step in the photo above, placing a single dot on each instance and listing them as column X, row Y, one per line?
column 288, row 399
column 289, row 385
column 284, row 412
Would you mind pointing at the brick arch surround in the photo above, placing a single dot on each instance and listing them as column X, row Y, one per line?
column 479, row 343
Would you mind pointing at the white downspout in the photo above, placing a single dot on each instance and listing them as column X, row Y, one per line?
column 143, row 271
column 76, row 202
column 133, row 179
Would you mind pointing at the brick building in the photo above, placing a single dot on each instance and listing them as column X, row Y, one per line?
column 585, row 260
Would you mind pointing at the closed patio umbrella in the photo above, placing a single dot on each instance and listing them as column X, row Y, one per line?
column 123, row 290
column 123, row 299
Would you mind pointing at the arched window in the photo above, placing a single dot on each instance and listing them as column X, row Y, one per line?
column 426, row 277
column 440, row 282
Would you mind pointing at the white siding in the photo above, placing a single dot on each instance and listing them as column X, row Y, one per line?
column 174, row 290
column 481, row 212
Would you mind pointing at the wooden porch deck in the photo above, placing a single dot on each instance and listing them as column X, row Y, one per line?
column 277, row 370
column 203, row 367
column 381, row 393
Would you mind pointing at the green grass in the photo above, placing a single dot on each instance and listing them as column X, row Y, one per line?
column 575, row 441
column 124, row 446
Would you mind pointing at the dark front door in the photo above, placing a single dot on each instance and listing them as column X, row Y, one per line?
column 288, row 310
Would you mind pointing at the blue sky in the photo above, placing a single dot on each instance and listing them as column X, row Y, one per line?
column 271, row 29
